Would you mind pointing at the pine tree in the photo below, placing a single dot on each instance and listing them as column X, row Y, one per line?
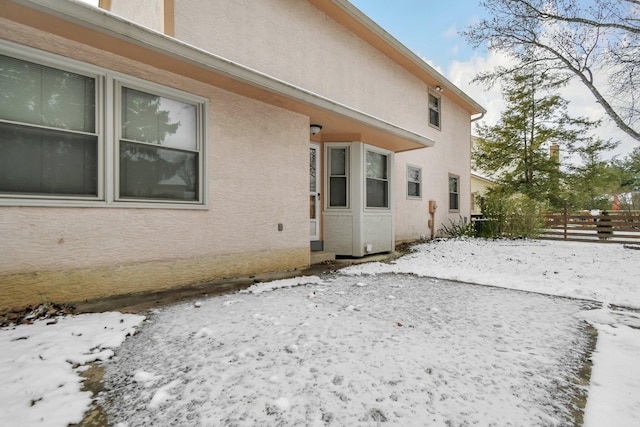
column 516, row 150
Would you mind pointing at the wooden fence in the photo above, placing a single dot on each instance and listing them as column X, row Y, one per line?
column 614, row 227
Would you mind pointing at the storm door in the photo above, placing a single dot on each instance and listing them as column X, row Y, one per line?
column 314, row 191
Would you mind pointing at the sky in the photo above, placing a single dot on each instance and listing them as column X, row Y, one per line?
column 431, row 29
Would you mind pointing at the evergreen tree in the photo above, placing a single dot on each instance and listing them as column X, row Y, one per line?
column 516, row 150
column 593, row 182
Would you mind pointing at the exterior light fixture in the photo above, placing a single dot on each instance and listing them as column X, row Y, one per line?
column 315, row 129
column 438, row 88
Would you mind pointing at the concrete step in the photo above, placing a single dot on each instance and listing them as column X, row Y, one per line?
column 318, row 257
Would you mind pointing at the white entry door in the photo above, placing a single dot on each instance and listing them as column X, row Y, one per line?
column 314, row 191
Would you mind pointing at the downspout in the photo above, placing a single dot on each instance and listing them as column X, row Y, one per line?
column 474, row 119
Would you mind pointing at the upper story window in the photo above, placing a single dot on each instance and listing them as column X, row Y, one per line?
column 53, row 144
column 377, row 180
column 338, row 168
column 414, row 182
column 434, row 110
column 454, row 193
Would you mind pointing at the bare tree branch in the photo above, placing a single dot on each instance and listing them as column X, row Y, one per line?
column 597, row 42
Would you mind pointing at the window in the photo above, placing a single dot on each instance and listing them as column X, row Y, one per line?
column 338, row 177
column 52, row 135
column 48, row 137
column 414, row 182
column 454, row 192
column 158, row 147
column 434, row 110
column 377, row 180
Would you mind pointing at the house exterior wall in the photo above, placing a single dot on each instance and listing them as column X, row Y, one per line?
column 149, row 13
column 294, row 41
column 450, row 155
column 479, row 187
column 257, row 178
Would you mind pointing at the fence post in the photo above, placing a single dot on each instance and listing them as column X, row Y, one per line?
column 566, row 211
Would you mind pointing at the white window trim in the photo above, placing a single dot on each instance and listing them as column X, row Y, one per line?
column 439, row 98
column 107, row 85
column 389, row 155
column 410, row 197
column 327, row 167
column 120, row 81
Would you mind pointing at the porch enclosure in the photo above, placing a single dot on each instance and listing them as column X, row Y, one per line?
column 607, row 227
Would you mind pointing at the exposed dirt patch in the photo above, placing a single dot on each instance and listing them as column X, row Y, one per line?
column 28, row 314
column 579, row 392
column 95, row 417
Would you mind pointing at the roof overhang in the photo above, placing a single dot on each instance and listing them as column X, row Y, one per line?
column 100, row 29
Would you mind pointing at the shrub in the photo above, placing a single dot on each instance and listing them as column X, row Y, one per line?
column 512, row 216
column 460, row 228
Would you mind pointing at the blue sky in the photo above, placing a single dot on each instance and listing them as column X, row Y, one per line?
column 429, row 28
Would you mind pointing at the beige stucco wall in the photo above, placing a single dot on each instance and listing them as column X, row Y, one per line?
column 257, row 175
column 450, row 155
column 293, row 41
column 149, row 13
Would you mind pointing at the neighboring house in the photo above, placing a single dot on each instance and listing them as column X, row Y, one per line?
column 159, row 143
column 479, row 187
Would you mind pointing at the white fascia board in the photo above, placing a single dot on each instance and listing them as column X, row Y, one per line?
column 115, row 26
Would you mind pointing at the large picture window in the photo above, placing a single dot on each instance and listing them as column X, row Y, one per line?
column 48, row 137
column 52, row 135
column 377, row 180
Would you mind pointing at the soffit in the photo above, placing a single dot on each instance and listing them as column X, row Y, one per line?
column 105, row 31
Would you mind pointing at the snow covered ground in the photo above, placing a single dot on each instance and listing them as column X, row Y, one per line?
column 374, row 344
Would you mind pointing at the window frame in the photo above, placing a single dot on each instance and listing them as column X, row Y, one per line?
column 62, row 64
column 347, row 176
column 438, row 98
column 165, row 92
column 107, row 129
column 419, row 182
column 456, row 193
column 387, row 180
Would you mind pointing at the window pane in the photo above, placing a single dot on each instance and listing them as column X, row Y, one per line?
column 453, row 184
column 338, row 161
column 413, row 189
column 338, row 192
column 35, row 94
column 434, row 110
column 157, row 173
column 376, row 165
column 453, row 201
column 453, row 193
column 158, row 120
column 377, row 193
column 312, row 169
column 413, row 174
column 41, row 161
